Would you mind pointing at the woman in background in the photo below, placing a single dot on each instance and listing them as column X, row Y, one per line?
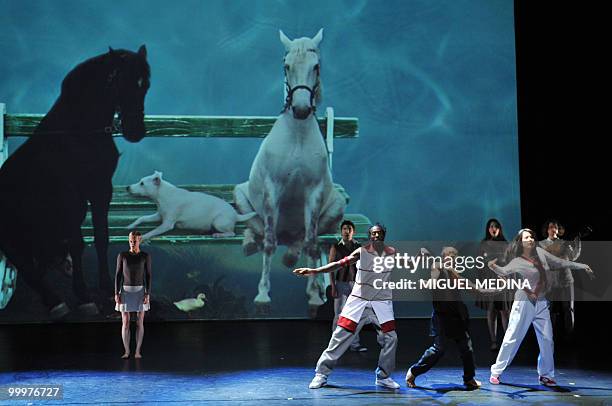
column 493, row 246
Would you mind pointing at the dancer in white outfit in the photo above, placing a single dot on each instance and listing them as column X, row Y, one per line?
column 366, row 305
column 530, row 305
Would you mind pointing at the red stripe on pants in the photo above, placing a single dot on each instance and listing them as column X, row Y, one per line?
column 388, row 326
column 347, row 324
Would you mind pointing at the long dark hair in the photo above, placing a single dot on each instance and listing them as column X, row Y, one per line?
column 516, row 245
column 548, row 223
column 488, row 236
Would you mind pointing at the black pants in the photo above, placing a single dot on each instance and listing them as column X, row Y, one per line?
column 432, row 355
column 562, row 309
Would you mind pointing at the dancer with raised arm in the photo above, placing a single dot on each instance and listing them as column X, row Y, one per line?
column 366, row 305
column 530, row 305
column 449, row 322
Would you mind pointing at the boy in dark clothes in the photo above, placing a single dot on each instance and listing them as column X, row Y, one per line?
column 449, row 321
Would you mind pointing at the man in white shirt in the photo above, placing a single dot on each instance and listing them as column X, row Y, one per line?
column 365, row 305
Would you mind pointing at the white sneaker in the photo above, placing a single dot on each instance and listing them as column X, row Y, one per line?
column 387, row 383
column 318, row 381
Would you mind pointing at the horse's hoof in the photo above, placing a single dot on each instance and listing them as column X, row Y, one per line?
column 59, row 311
column 312, row 250
column 289, row 259
column 312, row 311
column 249, row 248
column 263, row 309
column 90, row 309
column 262, row 299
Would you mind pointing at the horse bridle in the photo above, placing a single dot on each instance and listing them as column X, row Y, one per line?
column 111, row 87
column 291, row 90
column 115, row 95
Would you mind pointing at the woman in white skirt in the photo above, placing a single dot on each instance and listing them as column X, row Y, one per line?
column 530, row 305
column 133, row 290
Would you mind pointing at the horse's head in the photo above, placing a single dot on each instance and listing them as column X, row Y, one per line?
column 129, row 81
column 302, row 74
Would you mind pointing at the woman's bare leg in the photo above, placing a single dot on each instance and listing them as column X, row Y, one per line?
column 125, row 333
column 139, row 334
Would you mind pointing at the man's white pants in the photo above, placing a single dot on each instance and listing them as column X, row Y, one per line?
column 523, row 314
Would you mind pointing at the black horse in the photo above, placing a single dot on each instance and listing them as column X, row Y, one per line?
column 68, row 162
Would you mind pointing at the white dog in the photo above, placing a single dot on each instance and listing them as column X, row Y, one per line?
column 183, row 209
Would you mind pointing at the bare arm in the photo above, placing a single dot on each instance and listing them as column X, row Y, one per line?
column 331, row 267
column 332, row 258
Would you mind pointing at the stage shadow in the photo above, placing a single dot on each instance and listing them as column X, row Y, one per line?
column 362, row 389
column 439, row 390
column 520, row 394
column 542, row 388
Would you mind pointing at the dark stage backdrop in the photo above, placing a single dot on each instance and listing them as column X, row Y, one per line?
column 432, row 83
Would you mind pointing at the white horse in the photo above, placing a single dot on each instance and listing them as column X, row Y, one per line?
column 290, row 184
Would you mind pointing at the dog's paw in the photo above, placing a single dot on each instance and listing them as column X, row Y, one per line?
column 132, row 226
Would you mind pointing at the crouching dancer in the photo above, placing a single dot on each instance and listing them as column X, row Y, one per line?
column 449, row 322
column 365, row 305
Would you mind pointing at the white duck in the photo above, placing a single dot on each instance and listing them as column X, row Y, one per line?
column 191, row 304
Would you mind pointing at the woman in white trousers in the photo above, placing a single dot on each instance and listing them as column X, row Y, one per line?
column 530, row 305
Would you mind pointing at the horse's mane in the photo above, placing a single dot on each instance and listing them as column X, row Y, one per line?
column 84, row 83
column 100, row 64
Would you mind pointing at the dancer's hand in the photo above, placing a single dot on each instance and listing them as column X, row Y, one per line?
column 304, row 271
column 590, row 272
column 117, row 299
column 492, row 263
column 146, row 299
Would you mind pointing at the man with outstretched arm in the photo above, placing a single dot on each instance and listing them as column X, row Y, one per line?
column 365, row 305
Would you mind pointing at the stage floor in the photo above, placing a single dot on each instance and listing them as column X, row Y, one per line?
column 272, row 362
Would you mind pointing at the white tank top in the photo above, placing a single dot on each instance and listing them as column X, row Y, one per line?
column 368, row 273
